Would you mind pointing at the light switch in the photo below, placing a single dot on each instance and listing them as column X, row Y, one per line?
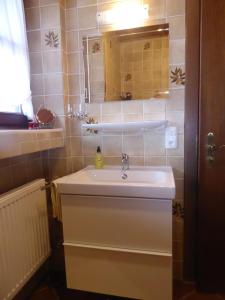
column 171, row 137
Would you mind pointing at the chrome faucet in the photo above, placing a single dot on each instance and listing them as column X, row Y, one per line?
column 125, row 162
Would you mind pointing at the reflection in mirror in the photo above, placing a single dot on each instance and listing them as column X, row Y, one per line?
column 130, row 64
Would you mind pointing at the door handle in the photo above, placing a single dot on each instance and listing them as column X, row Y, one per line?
column 212, row 148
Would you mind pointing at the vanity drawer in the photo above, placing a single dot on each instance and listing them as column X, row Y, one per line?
column 131, row 275
column 132, row 223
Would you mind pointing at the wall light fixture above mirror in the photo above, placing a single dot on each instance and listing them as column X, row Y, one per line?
column 130, row 64
column 124, row 15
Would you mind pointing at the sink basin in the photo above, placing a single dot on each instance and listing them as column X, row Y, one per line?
column 143, row 182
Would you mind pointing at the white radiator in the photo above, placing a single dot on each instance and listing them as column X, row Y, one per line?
column 24, row 236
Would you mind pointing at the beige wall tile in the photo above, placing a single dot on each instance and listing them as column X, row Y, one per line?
column 74, row 84
column 75, row 127
column 70, row 3
column 112, row 145
column 136, row 160
column 77, row 163
column 107, row 118
column 35, row 62
column 81, row 3
column 60, row 122
column 52, row 62
column 176, row 100
column 6, row 182
column 30, row 3
column 153, row 106
column 177, row 27
column 73, row 63
column 132, row 117
column 19, row 173
column 133, row 145
column 32, row 18
column 87, row 17
column 111, row 108
column 154, row 144
column 94, row 108
column 175, row 7
column 132, row 107
column 88, row 160
column 55, row 103
column 37, row 101
column 155, row 160
column 53, row 84
column 36, row 85
column 107, row 1
column 177, row 51
column 50, row 16
column 155, row 116
column 76, row 146
column 34, row 40
column 72, row 41
column 57, row 168
column 157, row 8
column 71, row 19
column 112, row 160
column 34, row 169
column 74, row 99
column 48, row 2
column 63, row 19
column 60, row 152
column 177, row 163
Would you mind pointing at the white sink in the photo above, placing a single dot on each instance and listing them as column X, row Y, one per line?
column 144, row 182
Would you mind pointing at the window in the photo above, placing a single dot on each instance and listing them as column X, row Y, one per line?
column 15, row 91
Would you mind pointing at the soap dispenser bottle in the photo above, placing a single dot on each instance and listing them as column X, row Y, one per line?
column 99, row 162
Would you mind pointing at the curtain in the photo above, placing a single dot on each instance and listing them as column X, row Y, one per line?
column 14, row 60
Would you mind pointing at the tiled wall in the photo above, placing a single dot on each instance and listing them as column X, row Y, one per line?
column 19, row 170
column 58, row 78
column 45, row 49
column 45, row 22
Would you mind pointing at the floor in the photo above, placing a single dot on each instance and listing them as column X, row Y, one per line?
column 47, row 291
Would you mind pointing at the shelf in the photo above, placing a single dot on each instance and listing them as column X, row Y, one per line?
column 127, row 126
column 20, row 142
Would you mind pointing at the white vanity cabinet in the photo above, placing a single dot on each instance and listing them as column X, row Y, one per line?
column 118, row 245
column 118, row 233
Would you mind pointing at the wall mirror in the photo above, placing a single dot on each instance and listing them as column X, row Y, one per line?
column 131, row 64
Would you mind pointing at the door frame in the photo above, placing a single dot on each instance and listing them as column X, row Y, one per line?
column 191, row 137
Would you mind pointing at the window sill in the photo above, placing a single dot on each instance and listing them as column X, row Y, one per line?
column 20, row 142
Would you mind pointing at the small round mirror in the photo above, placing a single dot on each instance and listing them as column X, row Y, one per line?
column 45, row 118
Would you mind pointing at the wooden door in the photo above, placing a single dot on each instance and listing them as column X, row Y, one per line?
column 211, row 184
